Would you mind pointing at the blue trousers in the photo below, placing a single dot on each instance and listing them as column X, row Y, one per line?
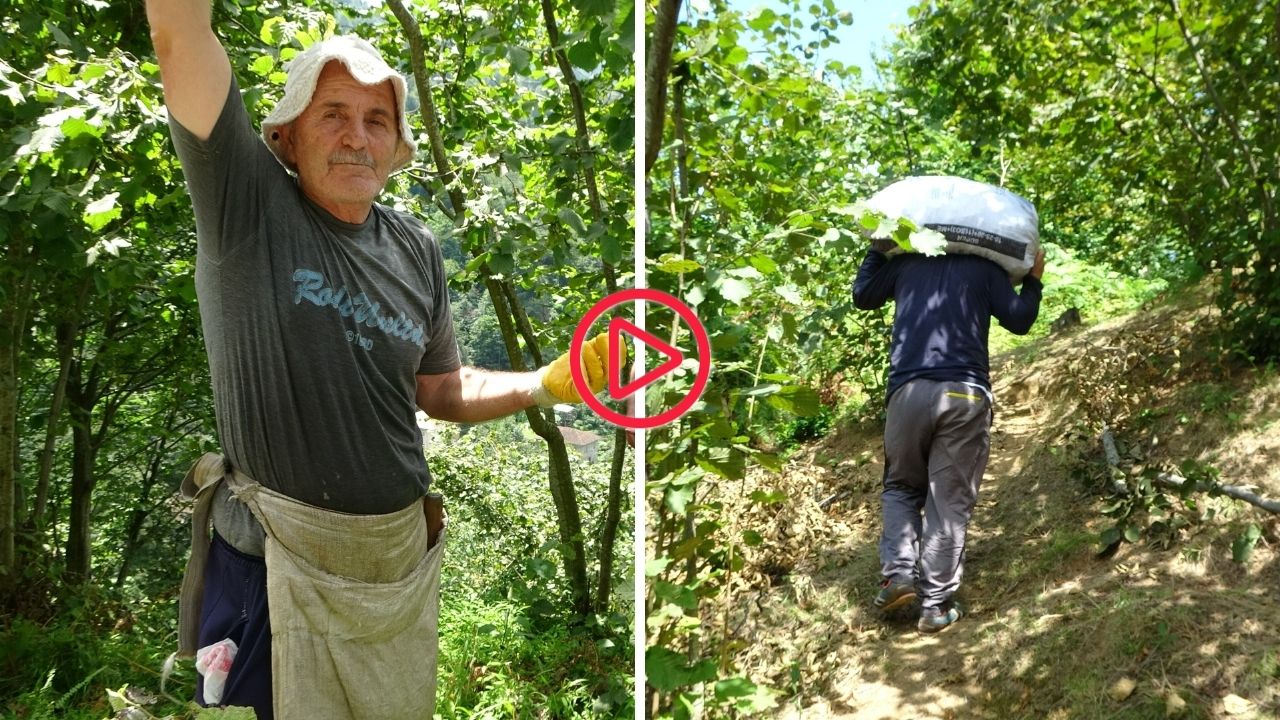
column 235, row 606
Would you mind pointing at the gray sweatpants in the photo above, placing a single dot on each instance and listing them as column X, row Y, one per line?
column 936, row 442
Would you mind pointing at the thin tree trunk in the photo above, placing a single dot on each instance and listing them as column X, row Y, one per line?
column 560, row 479
column 559, row 476
column 67, row 333
column 13, row 319
column 613, row 516
column 613, row 513
column 430, row 118
column 680, row 210
column 656, row 73
column 142, row 507
column 80, row 408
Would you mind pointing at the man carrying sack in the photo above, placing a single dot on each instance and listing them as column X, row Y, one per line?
column 939, row 402
column 327, row 324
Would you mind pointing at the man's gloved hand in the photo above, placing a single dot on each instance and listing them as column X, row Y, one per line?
column 555, row 381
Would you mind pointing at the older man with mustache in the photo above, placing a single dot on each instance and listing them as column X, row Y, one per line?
column 326, row 321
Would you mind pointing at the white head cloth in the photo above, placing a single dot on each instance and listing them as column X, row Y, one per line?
column 365, row 65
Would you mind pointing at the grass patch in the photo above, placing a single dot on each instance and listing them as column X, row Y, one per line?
column 496, row 662
column 1097, row 291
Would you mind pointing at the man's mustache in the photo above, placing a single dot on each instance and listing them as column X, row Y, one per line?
column 345, row 158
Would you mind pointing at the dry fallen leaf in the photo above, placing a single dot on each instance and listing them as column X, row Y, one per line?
column 1174, row 704
column 1122, row 689
column 1236, row 705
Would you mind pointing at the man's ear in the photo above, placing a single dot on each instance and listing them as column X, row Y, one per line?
column 284, row 139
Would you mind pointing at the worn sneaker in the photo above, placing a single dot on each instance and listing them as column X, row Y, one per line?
column 894, row 595
column 937, row 619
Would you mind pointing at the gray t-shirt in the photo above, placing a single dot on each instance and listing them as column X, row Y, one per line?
column 315, row 328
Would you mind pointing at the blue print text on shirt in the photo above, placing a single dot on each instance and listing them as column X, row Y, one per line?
column 312, row 287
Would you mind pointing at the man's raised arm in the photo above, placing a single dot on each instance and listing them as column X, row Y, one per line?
column 193, row 65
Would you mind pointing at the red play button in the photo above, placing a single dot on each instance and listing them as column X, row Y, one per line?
column 618, row 351
column 617, row 348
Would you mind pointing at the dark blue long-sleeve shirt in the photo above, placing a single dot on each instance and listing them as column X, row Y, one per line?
column 943, row 310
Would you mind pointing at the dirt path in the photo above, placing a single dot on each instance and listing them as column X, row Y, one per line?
column 905, row 674
column 1052, row 627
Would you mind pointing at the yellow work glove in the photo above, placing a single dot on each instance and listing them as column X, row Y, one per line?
column 555, row 381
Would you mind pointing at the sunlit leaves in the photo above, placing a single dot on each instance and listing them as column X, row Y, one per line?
column 263, row 65
column 102, row 211
column 672, row 263
column 733, row 289
column 1134, row 139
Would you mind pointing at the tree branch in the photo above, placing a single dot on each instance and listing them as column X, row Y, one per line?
column 1177, row 482
column 656, row 74
column 430, row 118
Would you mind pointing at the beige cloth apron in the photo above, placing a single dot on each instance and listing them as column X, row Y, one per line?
column 354, row 603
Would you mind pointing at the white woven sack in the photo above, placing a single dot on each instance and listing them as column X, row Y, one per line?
column 976, row 218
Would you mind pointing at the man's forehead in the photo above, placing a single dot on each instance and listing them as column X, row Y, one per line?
column 335, row 85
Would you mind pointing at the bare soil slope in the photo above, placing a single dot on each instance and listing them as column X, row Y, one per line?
column 1052, row 629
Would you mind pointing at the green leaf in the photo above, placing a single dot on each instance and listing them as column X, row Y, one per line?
column 519, row 58
column 728, row 463
column 695, row 295
column 678, row 595
column 1132, row 533
column 653, row 568
column 768, row 498
column 761, row 19
column 736, row 56
column 226, row 713
column 768, row 461
column 797, row 400
column 12, row 91
column 790, row 293
column 667, row 670
column 117, row 699
column 763, row 263
column 677, row 498
column 611, row 249
column 41, row 140
column 733, row 289
column 674, row 264
column 101, row 211
column 758, row 390
column 572, row 219
column 263, row 65
column 75, row 127
column 1243, row 546
column 751, row 538
column 734, row 688
column 928, row 242
column 92, row 71
column 801, row 220
column 502, row 263
column 583, row 55
column 272, row 31
column 727, row 198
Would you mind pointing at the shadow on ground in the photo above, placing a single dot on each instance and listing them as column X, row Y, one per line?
column 1054, row 630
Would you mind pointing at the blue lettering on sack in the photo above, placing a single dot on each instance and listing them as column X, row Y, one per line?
column 311, row 286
